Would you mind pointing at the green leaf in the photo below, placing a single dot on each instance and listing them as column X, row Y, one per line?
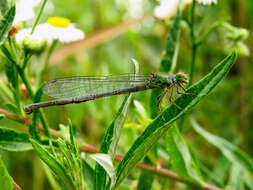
column 73, row 144
column 14, row 141
column 6, row 23
column 181, row 159
column 71, row 162
column 230, row 151
column 6, row 181
column 169, row 59
column 110, row 141
column 12, row 108
column 88, row 173
column 161, row 124
column 33, row 125
column 56, row 167
column 2, row 116
column 248, row 180
column 235, row 179
column 170, row 53
column 11, row 74
column 146, row 178
column 51, row 179
column 12, row 77
column 3, row 7
column 7, row 54
column 111, row 138
column 105, row 161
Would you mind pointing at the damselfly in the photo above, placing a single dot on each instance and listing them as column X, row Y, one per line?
column 87, row 88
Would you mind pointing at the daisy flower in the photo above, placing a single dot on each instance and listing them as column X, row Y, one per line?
column 168, row 8
column 207, row 2
column 56, row 28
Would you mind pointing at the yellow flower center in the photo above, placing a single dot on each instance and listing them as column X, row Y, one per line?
column 58, row 22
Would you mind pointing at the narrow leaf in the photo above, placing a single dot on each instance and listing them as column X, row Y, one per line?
column 180, row 155
column 230, row 151
column 161, row 124
column 56, row 167
column 170, row 53
column 15, row 141
column 169, row 59
column 105, row 161
column 6, row 22
column 3, row 7
column 6, row 181
column 111, row 139
column 88, row 173
column 235, row 179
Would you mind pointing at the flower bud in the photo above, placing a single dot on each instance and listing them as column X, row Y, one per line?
column 34, row 46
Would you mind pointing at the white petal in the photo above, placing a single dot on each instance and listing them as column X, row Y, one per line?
column 24, row 10
column 207, row 2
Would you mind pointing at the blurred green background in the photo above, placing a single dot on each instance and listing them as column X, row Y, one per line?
column 226, row 112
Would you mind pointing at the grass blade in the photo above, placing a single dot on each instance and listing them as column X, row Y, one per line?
column 161, row 124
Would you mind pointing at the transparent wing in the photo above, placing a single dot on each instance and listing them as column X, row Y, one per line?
column 88, row 85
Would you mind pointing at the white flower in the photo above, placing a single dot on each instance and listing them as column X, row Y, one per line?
column 56, row 28
column 207, row 2
column 168, row 8
column 135, row 8
column 24, row 10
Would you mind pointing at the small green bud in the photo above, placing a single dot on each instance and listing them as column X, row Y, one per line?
column 34, row 46
column 241, row 48
column 238, row 34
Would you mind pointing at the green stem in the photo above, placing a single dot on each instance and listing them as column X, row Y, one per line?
column 45, row 66
column 31, row 94
column 193, row 60
column 16, row 87
column 39, row 15
column 209, row 31
column 26, row 60
column 194, row 47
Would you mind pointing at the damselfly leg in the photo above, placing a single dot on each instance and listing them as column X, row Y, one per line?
column 162, row 95
column 181, row 86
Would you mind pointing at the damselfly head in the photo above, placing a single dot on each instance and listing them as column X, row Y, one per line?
column 182, row 77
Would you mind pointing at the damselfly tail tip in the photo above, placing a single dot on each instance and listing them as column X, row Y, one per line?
column 182, row 77
column 27, row 110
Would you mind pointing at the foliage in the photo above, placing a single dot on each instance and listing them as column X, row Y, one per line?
column 192, row 40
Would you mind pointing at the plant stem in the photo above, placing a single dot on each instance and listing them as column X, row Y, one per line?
column 193, row 60
column 39, row 15
column 45, row 66
column 31, row 94
column 194, row 46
